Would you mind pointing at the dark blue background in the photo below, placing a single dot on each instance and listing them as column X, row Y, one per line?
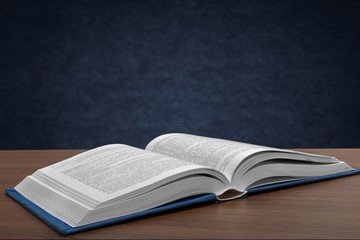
column 79, row 74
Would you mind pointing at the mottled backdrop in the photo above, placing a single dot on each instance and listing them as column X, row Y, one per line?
column 79, row 74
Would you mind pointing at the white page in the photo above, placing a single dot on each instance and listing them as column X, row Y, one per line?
column 113, row 170
column 222, row 155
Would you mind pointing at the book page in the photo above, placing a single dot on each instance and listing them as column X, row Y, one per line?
column 222, row 155
column 114, row 170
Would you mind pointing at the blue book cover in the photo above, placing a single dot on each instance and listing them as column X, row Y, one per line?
column 65, row 229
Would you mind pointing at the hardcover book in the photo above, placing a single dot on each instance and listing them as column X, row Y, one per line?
column 117, row 182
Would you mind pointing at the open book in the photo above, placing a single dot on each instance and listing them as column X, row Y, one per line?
column 115, row 181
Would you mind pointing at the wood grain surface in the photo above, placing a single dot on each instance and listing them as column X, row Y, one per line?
column 329, row 209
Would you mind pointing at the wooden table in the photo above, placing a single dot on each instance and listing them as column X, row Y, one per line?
column 329, row 209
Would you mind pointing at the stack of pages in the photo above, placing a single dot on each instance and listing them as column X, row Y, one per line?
column 116, row 182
